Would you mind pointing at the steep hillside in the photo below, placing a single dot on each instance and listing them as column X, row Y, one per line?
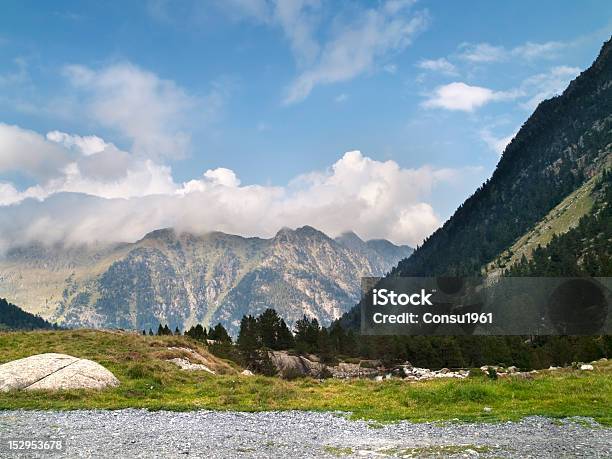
column 584, row 250
column 14, row 318
column 183, row 278
column 589, row 199
column 560, row 147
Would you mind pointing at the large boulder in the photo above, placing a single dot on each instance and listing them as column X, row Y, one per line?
column 54, row 372
column 293, row 366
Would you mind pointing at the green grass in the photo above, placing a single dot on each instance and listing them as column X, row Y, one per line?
column 148, row 381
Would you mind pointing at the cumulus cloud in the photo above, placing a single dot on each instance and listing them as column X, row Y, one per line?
column 149, row 111
column 79, row 205
column 463, row 97
column 28, row 153
column 62, row 162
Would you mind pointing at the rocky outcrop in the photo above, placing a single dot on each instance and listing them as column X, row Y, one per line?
column 294, row 366
column 54, row 372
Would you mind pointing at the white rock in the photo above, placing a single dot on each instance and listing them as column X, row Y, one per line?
column 586, row 367
column 186, row 365
column 54, row 372
column 487, row 409
column 246, row 373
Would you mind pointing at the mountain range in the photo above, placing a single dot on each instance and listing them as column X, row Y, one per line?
column 181, row 279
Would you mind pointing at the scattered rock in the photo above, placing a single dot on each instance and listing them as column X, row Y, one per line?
column 247, row 373
column 586, row 367
column 512, row 369
column 186, row 365
column 352, row 370
column 54, row 372
column 487, row 409
column 423, row 374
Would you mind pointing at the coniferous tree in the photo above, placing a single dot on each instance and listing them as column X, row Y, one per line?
column 220, row 334
column 284, row 336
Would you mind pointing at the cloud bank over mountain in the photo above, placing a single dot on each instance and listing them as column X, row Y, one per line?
column 89, row 190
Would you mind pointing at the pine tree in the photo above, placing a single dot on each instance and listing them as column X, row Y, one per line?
column 284, row 336
column 220, row 334
column 268, row 324
column 248, row 341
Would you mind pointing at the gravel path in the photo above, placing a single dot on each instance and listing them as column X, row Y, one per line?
column 207, row 434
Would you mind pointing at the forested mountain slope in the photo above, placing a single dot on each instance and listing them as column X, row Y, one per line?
column 561, row 145
column 14, row 318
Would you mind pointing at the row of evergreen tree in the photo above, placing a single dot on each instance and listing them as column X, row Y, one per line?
column 217, row 333
column 269, row 332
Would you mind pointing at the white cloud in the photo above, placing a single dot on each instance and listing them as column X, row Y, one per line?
column 149, row 111
column 531, row 50
column 545, row 85
column 62, row 162
column 482, row 52
column 463, row 97
column 298, row 19
column 441, row 65
column 485, row 52
column 355, row 48
column 28, row 153
column 80, row 204
column 350, row 48
column 88, row 145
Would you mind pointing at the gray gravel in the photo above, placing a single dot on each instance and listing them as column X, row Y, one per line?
column 212, row 434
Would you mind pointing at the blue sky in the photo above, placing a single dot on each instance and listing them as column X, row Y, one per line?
column 135, row 100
